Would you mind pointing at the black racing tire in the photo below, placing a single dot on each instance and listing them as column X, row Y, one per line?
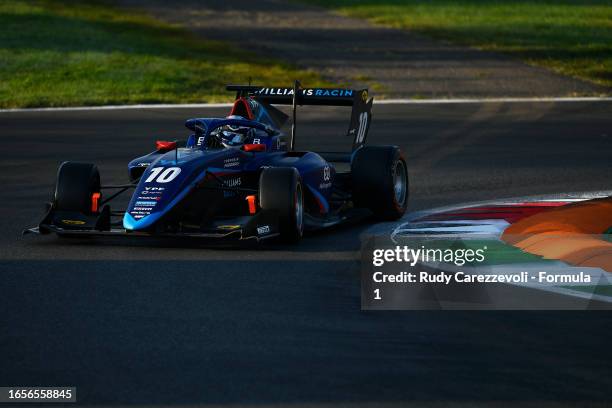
column 76, row 182
column 281, row 190
column 380, row 181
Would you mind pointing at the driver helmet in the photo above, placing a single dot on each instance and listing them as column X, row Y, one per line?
column 234, row 136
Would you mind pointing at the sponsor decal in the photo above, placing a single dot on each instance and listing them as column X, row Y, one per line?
column 307, row 92
column 151, row 203
column 152, row 191
column 328, row 92
column 326, row 173
column 73, row 222
column 324, row 186
column 140, row 212
column 276, row 91
column 264, row 229
column 231, row 162
column 234, row 182
column 144, row 164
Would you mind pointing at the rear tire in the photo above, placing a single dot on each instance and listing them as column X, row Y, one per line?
column 280, row 189
column 76, row 182
column 380, row 181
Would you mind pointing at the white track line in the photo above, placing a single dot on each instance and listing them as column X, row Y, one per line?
column 121, row 107
column 492, row 100
column 377, row 102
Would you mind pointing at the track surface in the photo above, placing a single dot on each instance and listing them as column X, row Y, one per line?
column 158, row 325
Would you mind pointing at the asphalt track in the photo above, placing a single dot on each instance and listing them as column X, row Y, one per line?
column 160, row 324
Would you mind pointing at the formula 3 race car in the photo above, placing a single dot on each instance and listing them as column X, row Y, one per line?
column 238, row 178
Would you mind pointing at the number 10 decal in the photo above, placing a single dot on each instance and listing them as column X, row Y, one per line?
column 361, row 130
column 163, row 176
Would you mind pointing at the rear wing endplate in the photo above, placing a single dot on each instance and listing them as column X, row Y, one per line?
column 361, row 113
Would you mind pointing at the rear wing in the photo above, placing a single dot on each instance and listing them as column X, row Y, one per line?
column 361, row 113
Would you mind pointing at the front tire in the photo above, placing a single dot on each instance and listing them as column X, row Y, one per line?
column 76, row 182
column 380, row 181
column 281, row 190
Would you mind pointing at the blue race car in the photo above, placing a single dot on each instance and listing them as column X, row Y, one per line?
column 239, row 178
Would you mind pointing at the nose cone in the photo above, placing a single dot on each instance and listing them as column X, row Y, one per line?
column 161, row 186
column 166, row 182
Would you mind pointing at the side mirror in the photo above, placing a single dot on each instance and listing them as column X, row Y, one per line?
column 254, row 147
column 164, row 146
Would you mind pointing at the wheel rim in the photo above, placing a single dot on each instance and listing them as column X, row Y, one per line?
column 299, row 207
column 400, row 182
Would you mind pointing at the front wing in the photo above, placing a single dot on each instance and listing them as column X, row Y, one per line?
column 258, row 227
